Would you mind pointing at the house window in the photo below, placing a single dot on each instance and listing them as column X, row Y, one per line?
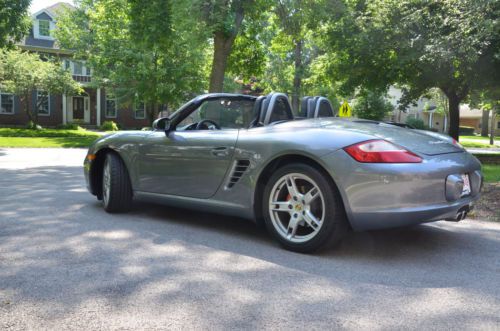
column 6, row 103
column 110, row 105
column 42, row 101
column 77, row 68
column 140, row 110
column 44, row 28
column 87, row 71
column 67, row 64
column 498, row 125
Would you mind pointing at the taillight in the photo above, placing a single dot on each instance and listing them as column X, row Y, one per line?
column 381, row 151
column 456, row 143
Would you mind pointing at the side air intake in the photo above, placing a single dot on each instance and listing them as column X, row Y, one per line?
column 239, row 168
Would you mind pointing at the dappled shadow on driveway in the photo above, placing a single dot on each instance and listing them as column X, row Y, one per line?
column 64, row 260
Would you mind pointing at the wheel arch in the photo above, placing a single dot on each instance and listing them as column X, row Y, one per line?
column 279, row 162
column 96, row 169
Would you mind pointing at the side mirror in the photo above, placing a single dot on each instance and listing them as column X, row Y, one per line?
column 163, row 124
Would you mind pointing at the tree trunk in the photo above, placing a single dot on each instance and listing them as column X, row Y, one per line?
column 297, row 77
column 484, row 123
column 223, row 43
column 492, row 125
column 222, row 49
column 454, row 106
column 27, row 107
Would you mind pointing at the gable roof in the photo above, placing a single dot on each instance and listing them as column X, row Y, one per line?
column 54, row 10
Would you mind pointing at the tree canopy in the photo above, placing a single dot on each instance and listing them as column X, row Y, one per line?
column 14, row 21
column 22, row 73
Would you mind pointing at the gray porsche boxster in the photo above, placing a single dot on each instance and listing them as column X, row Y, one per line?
column 309, row 179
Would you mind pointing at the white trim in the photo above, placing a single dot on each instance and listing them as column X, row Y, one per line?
column 64, row 108
column 44, row 10
column 48, row 104
column 13, row 104
column 36, row 29
column 98, row 106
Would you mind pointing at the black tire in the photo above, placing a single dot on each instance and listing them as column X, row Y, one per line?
column 118, row 198
column 334, row 225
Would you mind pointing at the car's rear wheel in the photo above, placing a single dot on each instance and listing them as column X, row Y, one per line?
column 302, row 209
column 116, row 187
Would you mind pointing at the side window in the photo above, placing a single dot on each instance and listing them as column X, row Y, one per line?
column 44, row 28
column 6, row 103
column 110, row 105
column 228, row 114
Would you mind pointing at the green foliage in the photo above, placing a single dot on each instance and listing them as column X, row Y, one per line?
column 14, row 21
column 134, row 45
column 417, row 123
column 33, row 126
column 109, row 126
column 450, row 44
column 21, row 73
column 371, row 105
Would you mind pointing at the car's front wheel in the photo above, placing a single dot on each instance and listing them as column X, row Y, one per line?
column 116, row 187
column 302, row 209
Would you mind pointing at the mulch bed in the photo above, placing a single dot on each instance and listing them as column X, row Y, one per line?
column 488, row 207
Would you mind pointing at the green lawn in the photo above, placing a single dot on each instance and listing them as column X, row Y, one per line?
column 46, row 141
column 46, row 138
column 491, row 173
column 478, row 142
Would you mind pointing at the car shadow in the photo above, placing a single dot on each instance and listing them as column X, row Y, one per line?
column 54, row 234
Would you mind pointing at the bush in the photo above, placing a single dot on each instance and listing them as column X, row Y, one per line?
column 371, row 105
column 109, row 126
column 417, row 123
column 466, row 130
column 32, row 126
column 69, row 126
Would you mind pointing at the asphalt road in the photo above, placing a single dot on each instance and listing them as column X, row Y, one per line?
column 66, row 264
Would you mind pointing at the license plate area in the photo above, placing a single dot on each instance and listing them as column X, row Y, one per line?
column 466, row 189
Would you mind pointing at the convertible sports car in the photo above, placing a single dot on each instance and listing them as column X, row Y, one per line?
column 308, row 179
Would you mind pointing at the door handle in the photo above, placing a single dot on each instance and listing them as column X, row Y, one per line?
column 220, row 151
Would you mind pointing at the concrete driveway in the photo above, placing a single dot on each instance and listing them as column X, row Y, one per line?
column 66, row 264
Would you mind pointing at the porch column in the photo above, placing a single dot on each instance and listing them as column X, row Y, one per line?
column 64, row 108
column 98, row 107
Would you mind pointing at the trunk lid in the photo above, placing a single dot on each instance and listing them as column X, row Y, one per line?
column 427, row 143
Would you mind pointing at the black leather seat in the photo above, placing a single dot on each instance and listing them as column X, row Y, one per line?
column 312, row 107
column 275, row 108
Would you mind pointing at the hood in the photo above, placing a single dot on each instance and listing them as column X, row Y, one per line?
column 413, row 140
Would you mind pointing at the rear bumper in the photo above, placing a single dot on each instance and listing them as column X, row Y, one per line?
column 380, row 196
column 410, row 216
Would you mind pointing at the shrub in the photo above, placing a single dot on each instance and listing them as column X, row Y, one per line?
column 466, row 131
column 417, row 123
column 371, row 105
column 109, row 126
column 32, row 126
column 69, row 126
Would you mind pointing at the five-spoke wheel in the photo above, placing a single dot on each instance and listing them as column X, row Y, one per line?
column 302, row 208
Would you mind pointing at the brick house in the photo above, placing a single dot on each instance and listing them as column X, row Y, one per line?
column 89, row 109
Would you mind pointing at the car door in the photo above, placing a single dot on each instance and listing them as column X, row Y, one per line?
column 186, row 163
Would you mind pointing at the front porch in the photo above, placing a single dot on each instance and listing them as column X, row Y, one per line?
column 83, row 109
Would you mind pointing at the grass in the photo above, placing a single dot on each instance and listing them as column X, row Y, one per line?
column 477, row 142
column 491, row 173
column 47, row 141
column 8, row 132
column 46, row 138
